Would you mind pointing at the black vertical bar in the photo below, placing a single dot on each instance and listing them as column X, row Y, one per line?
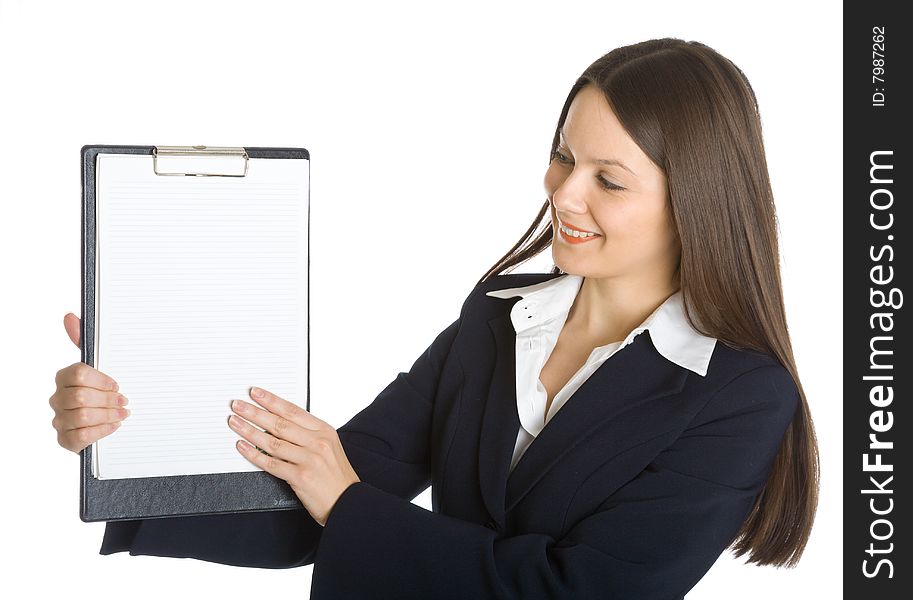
column 876, row 267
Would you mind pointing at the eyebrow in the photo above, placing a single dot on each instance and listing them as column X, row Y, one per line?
column 605, row 161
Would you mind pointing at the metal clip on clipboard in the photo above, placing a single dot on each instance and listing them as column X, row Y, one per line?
column 200, row 161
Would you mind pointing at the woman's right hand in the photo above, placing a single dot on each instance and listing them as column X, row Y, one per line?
column 87, row 405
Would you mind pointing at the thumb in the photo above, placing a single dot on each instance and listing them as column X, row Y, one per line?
column 71, row 324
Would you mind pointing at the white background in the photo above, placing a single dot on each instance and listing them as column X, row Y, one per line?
column 429, row 127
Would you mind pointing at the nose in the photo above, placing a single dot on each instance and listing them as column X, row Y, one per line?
column 567, row 199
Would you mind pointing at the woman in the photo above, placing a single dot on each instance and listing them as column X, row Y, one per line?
column 651, row 367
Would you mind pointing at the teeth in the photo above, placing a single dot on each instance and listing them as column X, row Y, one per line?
column 574, row 233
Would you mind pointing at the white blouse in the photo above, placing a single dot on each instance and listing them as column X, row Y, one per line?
column 538, row 318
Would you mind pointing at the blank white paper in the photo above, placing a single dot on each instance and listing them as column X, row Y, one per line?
column 201, row 292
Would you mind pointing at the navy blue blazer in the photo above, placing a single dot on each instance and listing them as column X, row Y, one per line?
column 631, row 491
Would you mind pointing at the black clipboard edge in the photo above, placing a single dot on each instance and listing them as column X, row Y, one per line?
column 179, row 495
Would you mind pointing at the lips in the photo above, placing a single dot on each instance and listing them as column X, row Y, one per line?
column 563, row 234
column 569, row 226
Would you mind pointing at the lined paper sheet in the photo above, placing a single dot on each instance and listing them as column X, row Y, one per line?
column 201, row 292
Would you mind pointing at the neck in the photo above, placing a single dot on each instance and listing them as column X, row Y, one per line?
column 607, row 309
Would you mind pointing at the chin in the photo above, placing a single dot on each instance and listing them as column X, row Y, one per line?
column 576, row 265
column 566, row 266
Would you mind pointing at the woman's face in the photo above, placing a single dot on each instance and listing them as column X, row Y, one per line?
column 635, row 235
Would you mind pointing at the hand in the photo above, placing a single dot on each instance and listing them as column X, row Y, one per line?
column 86, row 402
column 303, row 450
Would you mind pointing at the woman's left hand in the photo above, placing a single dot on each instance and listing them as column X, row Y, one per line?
column 303, row 450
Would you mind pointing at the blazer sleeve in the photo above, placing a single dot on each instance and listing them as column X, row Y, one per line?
column 653, row 538
column 382, row 443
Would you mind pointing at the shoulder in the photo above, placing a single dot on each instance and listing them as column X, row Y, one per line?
column 743, row 409
column 749, row 387
column 730, row 363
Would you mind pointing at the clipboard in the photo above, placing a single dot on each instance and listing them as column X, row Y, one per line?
column 175, row 495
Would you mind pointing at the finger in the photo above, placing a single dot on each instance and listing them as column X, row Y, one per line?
column 286, row 409
column 86, row 417
column 71, row 398
column 82, row 375
column 71, row 324
column 272, row 465
column 277, row 447
column 274, row 424
column 77, row 439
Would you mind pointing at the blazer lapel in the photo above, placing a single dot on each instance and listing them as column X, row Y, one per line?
column 500, row 422
column 635, row 375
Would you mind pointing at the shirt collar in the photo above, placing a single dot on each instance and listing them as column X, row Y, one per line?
column 671, row 333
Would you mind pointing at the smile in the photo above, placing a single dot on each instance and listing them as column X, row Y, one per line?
column 575, row 232
column 575, row 236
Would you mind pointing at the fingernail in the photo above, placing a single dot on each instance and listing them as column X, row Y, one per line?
column 121, row 399
column 114, row 386
column 125, row 412
column 256, row 392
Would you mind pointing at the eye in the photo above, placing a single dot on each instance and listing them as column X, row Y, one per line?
column 608, row 185
column 557, row 154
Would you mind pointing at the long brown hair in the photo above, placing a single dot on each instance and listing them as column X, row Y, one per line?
column 694, row 113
